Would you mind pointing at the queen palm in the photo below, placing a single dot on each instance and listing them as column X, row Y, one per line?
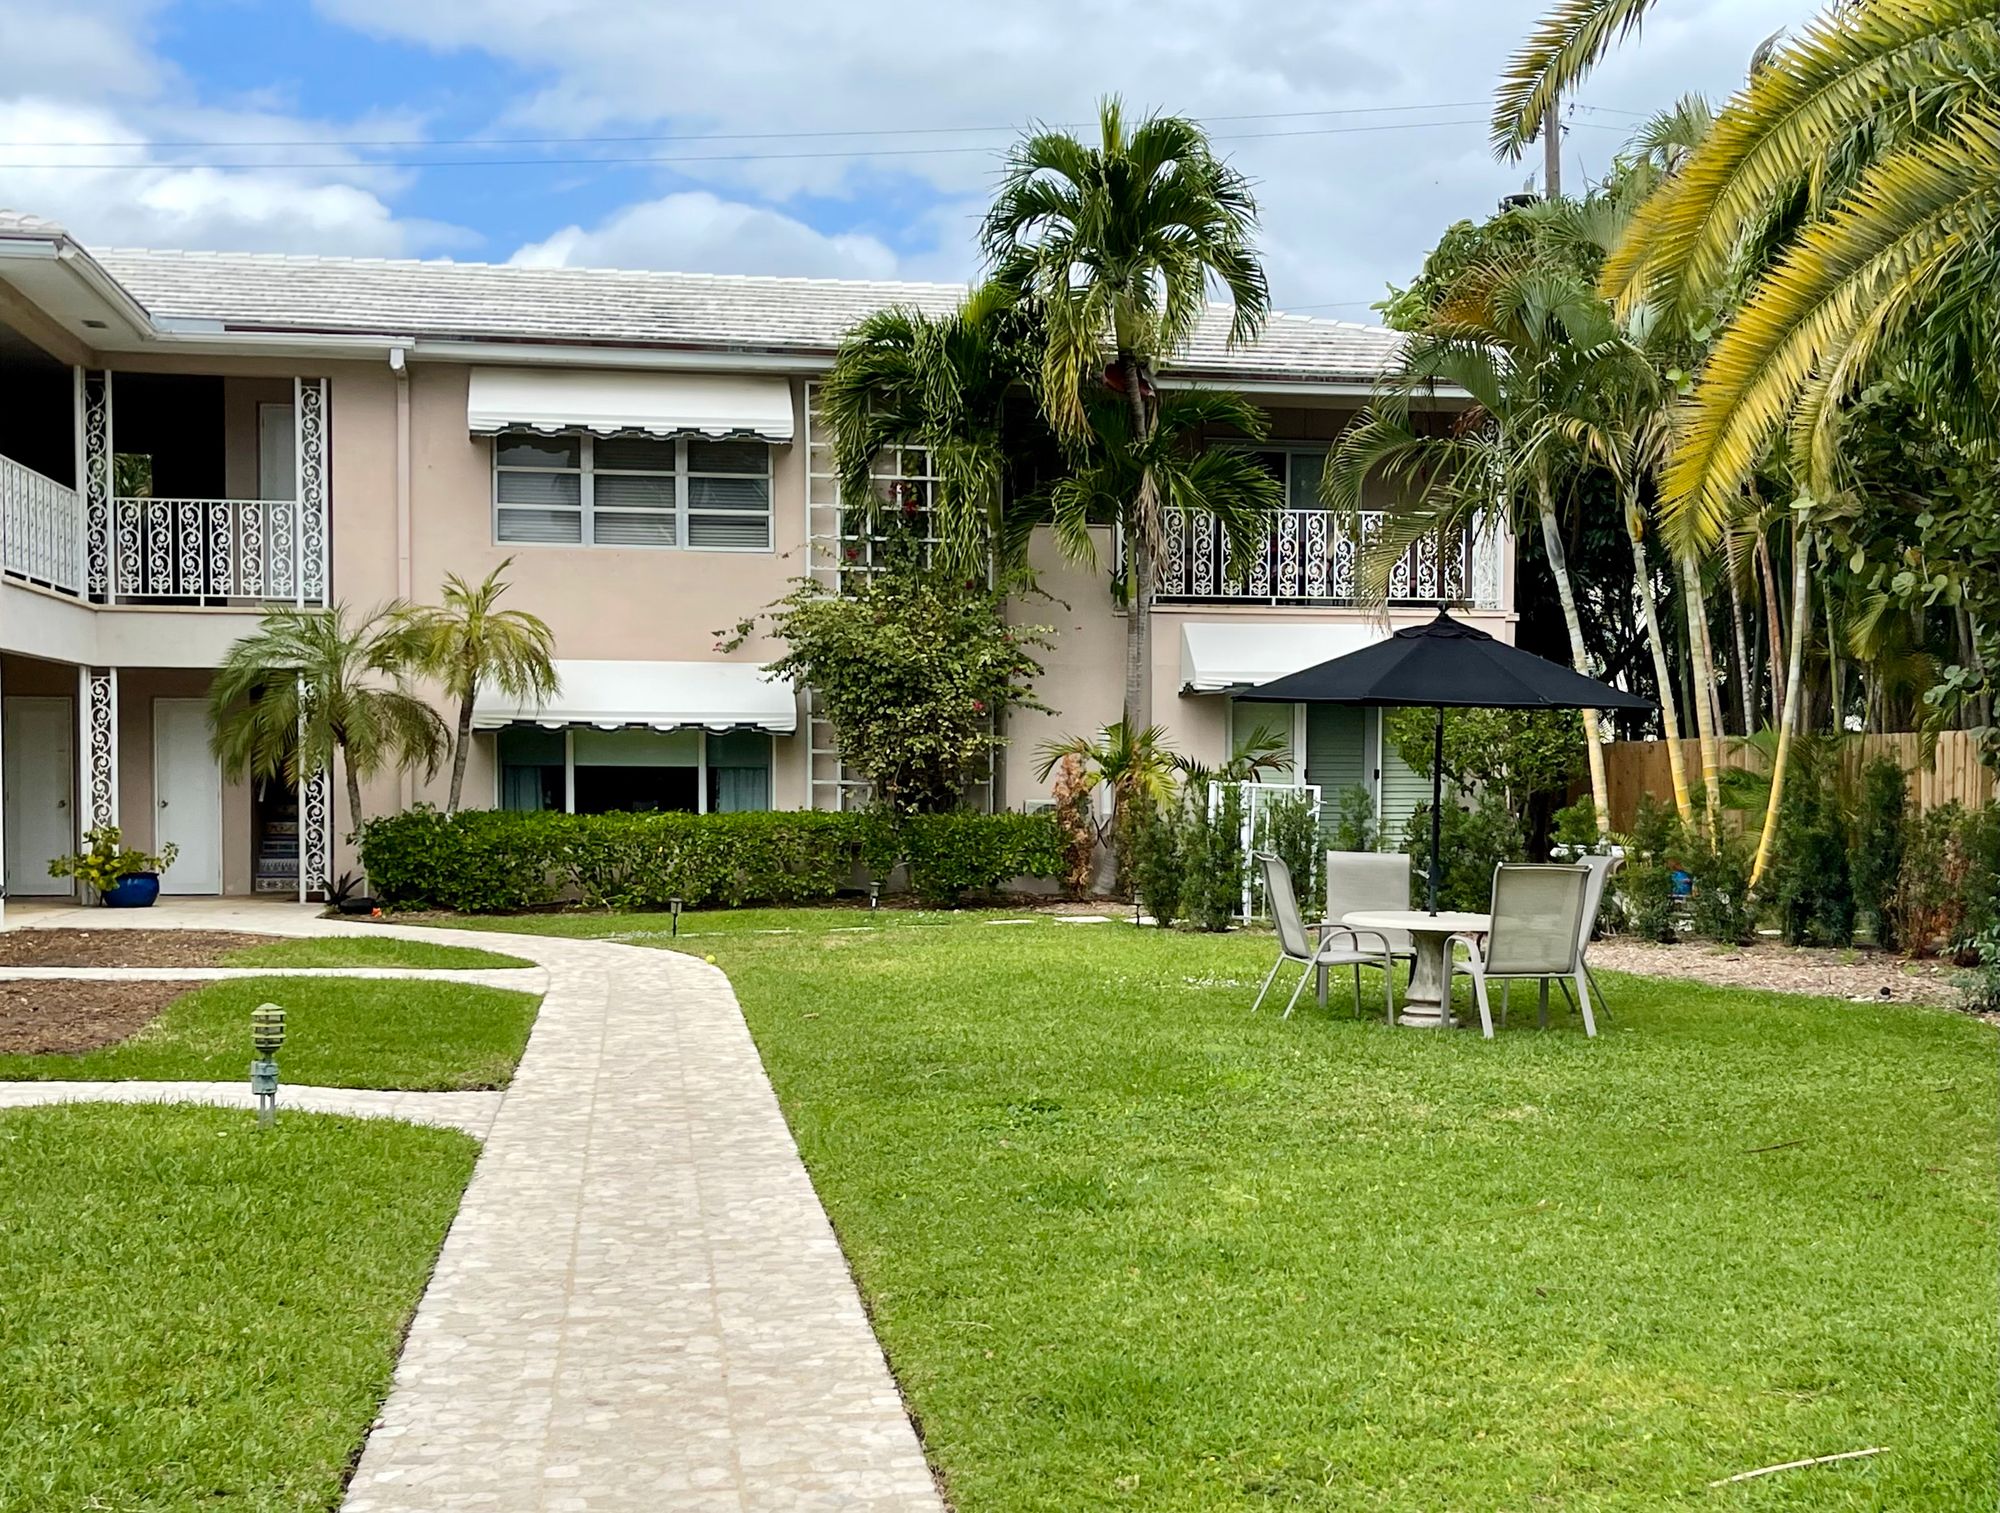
column 1118, row 243
column 1851, row 187
column 1532, row 346
column 468, row 642
column 308, row 684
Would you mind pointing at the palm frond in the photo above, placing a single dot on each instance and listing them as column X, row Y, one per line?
column 1558, row 55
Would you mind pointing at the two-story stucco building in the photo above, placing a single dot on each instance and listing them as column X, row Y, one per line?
column 189, row 438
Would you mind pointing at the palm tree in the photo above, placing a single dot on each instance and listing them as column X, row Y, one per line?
column 903, row 378
column 1851, row 188
column 469, row 641
column 1533, row 346
column 310, row 683
column 1118, row 243
column 1136, row 765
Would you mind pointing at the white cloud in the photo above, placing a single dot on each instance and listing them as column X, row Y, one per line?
column 697, row 232
column 1344, row 211
column 84, row 95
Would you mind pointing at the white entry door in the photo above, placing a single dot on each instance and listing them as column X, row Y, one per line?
column 38, row 744
column 187, row 796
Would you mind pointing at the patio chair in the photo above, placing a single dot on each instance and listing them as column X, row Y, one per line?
column 1537, row 929
column 1336, row 946
column 1370, row 880
column 1600, row 868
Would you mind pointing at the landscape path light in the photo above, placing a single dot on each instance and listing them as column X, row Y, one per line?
column 267, row 1034
column 674, row 908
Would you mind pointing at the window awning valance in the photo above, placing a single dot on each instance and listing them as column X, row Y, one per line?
column 609, row 402
column 1222, row 655
column 653, row 695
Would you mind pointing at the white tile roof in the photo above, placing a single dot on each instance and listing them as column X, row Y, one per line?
column 708, row 312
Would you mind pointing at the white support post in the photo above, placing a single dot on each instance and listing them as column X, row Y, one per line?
column 315, row 794
column 97, row 749
column 96, row 483
column 298, row 556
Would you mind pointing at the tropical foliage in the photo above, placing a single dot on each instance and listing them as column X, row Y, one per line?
column 468, row 642
column 309, row 685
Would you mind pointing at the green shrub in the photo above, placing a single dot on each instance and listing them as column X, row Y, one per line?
column 1646, row 882
column 1722, row 907
column 1213, row 845
column 1159, row 862
column 1981, row 846
column 1981, row 984
column 953, row 854
column 1877, row 861
column 1474, row 841
column 1288, row 827
column 1354, row 823
column 488, row 861
column 1810, row 881
column 1947, row 893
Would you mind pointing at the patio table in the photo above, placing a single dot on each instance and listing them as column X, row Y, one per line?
column 1425, row 1005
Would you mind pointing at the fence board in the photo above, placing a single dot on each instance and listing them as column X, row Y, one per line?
column 1953, row 775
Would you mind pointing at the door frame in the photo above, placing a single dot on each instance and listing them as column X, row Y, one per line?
column 220, row 792
column 9, row 832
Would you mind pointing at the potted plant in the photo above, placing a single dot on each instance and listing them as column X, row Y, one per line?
column 123, row 878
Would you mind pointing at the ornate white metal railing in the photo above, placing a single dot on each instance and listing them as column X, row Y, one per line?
column 200, row 550
column 1306, row 559
column 41, row 528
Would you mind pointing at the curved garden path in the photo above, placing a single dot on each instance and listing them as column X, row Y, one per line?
column 641, row 1305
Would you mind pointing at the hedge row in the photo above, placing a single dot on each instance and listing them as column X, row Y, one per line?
column 485, row 861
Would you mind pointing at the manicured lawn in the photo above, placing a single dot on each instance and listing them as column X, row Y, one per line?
column 1129, row 1247
column 339, row 1032
column 196, row 1315
column 361, row 951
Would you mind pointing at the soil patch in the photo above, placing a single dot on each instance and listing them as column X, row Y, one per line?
column 123, row 948
column 66, row 1018
column 1860, row 975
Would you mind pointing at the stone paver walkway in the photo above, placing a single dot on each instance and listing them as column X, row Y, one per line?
column 641, row 1305
column 471, row 1112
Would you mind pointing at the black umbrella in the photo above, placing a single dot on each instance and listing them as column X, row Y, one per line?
column 1446, row 664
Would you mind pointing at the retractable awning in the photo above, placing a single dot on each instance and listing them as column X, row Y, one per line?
column 611, row 402
column 1221, row 656
column 655, row 696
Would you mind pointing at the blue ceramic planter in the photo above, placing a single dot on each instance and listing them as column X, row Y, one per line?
column 135, row 892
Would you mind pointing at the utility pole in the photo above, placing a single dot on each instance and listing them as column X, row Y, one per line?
column 1552, row 149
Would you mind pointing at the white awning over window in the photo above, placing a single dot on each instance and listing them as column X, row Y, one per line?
column 608, row 402
column 653, row 695
column 1222, row 656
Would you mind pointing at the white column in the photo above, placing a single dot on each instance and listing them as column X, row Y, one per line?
column 312, row 581
column 94, row 482
column 315, row 793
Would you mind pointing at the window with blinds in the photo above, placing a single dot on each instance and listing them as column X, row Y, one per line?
column 631, row 491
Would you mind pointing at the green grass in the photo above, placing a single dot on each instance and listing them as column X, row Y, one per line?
column 199, row 1315
column 361, row 951
column 339, row 1032
column 1128, row 1247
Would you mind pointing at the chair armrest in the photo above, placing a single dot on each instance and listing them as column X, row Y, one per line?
column 1473, row 941
column 1354, row 935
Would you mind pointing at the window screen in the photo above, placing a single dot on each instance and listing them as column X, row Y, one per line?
column 632, row 491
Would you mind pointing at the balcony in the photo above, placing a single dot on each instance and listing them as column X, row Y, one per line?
column 41, row 529
column 213, row 552
column 1306, row 559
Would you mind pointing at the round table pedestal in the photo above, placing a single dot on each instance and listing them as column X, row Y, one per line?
column 1425, row 1006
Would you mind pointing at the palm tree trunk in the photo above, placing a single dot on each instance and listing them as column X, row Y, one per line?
column 353, row 792
column 1801, row 587
column 1774, row 630
column 1139, row 565
column 1702, row 664
column 1600, row 783
column 1670, row 722
column 1746, row 692
column 458, row 748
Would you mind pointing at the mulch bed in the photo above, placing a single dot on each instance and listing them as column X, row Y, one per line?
column 1860, row 975
column 122, row 948
column 65, row 1018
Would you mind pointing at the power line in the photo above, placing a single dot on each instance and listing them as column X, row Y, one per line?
column 366, row 143
column 724, row 157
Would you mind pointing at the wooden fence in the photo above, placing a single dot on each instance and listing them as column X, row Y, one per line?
column 1954, row 771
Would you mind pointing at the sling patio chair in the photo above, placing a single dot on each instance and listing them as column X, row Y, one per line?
column 1336, row 945
column 1601, row 867
column 1537, row 932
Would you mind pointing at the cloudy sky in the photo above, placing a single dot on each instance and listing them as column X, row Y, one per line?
column 836, row 137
